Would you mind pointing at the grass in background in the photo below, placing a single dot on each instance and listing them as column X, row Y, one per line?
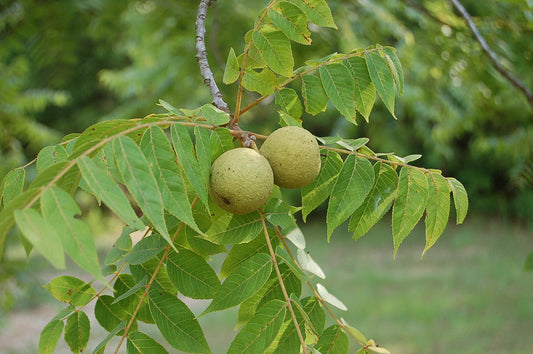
column 469, row 294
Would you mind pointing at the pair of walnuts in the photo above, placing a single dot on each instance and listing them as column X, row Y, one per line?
column 242, row 179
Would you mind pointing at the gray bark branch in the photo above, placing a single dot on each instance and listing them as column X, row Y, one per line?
column 492, row 56
column 201, row 57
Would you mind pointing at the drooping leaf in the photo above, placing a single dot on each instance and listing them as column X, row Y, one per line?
column 60, row 210
column 192, row 275
column 438, row 208
column 365, row 91
column 231, row 71
column 141, row 343
column 107, row 190
column 354, row 332
column 317, row 11
column 51, row 155
column 41, row 235
column 77, row 330
column 275, row 48
column 410, row 203
column 261, row 330
column 309, row 264
column 377, row 202
column 12, row 185
column 263, row 81
column 319, row 190
column 242, row 283
column 170, row 108
column 382, row 78
column 339, row 86
column 177, row 323
column 145, row 249
column 333, row 341
column 183, row 145
column 291, row 20
column 329, row 298
column 289, row 102
column 235, row 228
column 315, row 98
column 395, row 67
column 108, row 314
column 7, row 217
column 158, row 151
column 141, row 182
column 71, row 290
column 353, row 183
column 50, row 336
column 460, row 199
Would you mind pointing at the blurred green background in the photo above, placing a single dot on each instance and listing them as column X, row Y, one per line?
column 67, row 64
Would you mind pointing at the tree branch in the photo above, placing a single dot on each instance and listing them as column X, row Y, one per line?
column 492, row 56
column 201, row 57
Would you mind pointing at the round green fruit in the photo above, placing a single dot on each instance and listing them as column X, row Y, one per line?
column 294, row 156
column 241, row 181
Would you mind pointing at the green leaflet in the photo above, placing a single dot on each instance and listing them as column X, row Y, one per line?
column 339, row 85
column 68, row 181
column 221, row 140
column 145, row 249
column 7, row 217
column 131, row 291
column 109, row 314
column 275, row 48
column 12, row 185
column 141, row 182
column 242, row 283
column 141, row 343
column 121, row 247
column 241, row 252
column 41, row 235
column 158, row 152
column 319, row 190
column 317, row 11
column 177, row 323
column 395, row 67
column 214, row 115
column 128, row 294
column 147, row 269
column 410, row 203
column 315, row 98
column 192, row 275
column 365, row 91
column 333, row 341
column 98, row 132
column 77, row 331
column 60, row 210
column 263, row 81
column 231, row 72
column 353, row 183
column 382, row 78
column 50, row 336
column 438, row 208
column 235, row 228
column 377, row 202
column 50, row 155
column 261, row 330
column 71, row 290
column 100, row 348
column 460, row 199
column 107, row 190
column 183, row 146
column 203, row 152
column 170, row 108
column 292, row 21
column 314, row 310
column 289, row 102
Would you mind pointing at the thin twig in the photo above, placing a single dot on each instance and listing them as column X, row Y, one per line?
column 201, row 57
column 282, row 285
column 515, row 81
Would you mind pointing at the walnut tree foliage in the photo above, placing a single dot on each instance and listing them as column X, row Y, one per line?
column 153, row 174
